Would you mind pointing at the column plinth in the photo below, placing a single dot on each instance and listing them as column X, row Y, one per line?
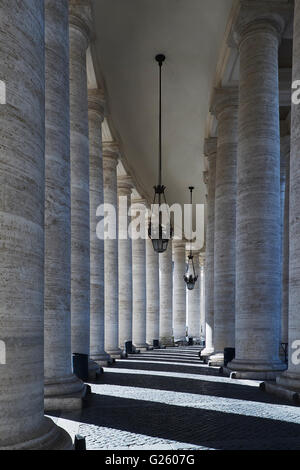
column 210, row 151
column 258, row 280
column 62, row 389
column 22, row 205
column 179, row 292
column 111, row 289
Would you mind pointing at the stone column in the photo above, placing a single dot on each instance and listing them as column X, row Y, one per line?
column 289, row 382
column 285, row 156
column 225, row 108
column 22, row 179
column 63, row 390
column 125, row 187
column 79, row 33
column 194, row 303
column 179, row 291
column 96, row 108
column 210, row 151
column 139, row 284
column 152, row 293
column 166, row 297
column 258, row 280
column 202, row 297
column 111, row 285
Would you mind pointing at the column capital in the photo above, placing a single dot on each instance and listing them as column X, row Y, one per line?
column 111, row 152
column 224, row 98
column 96, row 102
column 210, row 147
column 262, row 16
column 125, row 185
column 179, row 245
column 80, row 17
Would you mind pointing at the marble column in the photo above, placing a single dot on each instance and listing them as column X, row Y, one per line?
column 96, row 108
column 258, row 279
column 285, row 155
column 139, row 283
column 225, row 108
column 125, row 186
column 111, row 284
column 152, row 293
column 166, row 297
column 194, row 303
column 179, row 291
column 202, row 297
column 210, row 151
column 288, row 384
column 63, row 390
column 22, row 181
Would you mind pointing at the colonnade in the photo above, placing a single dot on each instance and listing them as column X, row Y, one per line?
column 64, row 289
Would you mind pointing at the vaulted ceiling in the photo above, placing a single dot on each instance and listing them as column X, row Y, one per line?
column 129, row 33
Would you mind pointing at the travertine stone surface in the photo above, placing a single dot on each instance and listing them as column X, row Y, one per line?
column 225, row 108
column 125, row 186
column 194, row 303
column 139, row 286
column 290, row 380
column 166, row 297
column 60, row 382
column 285, row 156
column 22, row 182
column 79, row 30
column 152, row 293
column 111, row 289
column 202, row 297
column 210, row 151
column 96, row 109
column 179, row 291
column 258, row 280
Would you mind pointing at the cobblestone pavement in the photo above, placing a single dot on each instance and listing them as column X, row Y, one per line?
column 167, row 399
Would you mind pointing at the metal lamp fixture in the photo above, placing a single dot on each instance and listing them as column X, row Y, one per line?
column 190, row 276
column 160, row 233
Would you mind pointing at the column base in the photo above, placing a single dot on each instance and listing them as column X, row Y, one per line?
column 216, row 360
column 114, row 353
column 205, row 353
column 49, row 437
column 102, row 359
column 253, row 370
column 94, row 369
column 65, row 393
column 142, row 346
column 166, row 341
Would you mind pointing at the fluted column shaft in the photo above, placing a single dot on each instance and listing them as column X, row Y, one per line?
column 179, row 292
column 210, row 150
column 258, row 280
column 96, row 106
column 225, row 107
column 139, row 285
column 285, row 155
column 60, row 383
column 111, row 285
column 22, row 182
column 80, row 23
column 194, row 304
column 166, row 297
column 152, row 293
column 290, row 380
column 125, row 261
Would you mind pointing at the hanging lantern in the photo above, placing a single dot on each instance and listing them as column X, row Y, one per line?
column 190, row 276
column 160, row 230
